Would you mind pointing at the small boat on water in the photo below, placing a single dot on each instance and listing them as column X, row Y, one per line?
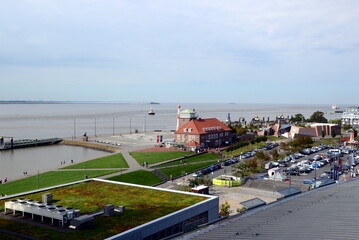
column 335, row 107
column 151, row 112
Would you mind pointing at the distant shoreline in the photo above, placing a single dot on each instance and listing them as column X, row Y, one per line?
column 68, row 102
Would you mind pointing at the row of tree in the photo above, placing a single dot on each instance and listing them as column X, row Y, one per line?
column 317, row 116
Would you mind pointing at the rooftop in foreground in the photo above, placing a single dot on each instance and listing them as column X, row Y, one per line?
column 324, row 213
column 144, row 206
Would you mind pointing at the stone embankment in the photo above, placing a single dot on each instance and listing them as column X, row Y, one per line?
column 91, row 145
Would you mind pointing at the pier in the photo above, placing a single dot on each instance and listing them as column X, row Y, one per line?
column 7, row 143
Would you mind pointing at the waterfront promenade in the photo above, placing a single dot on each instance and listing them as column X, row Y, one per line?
column 127, row 143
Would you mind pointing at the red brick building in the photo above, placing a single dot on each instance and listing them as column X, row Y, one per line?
column 203, row 133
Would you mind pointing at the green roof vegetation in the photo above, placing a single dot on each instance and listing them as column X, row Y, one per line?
column 111, row 161
column 142, row 177
column 49, row 179
column 142, row 205
column 156, row 157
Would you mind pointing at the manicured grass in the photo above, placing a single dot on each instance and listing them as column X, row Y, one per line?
column 274, row 138
column 112, row 161
column 198, row 158
column 142, row 205
column 178, row 171
column 49, row 179
column 238, row 151
column 156, row 157
column 142, row 177
column 329, row 141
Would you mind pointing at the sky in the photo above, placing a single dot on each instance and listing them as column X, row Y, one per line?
column 215, row 51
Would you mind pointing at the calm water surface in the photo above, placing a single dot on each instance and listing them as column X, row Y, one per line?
column 68, row 120
column 32, row 121
column 45, row 158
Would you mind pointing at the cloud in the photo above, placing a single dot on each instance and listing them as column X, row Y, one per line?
column 205, row 41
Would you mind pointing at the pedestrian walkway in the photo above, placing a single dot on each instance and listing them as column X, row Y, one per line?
column 132, row 163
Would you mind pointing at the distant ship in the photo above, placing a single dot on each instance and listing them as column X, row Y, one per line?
column 335, row 107
column 151, row 112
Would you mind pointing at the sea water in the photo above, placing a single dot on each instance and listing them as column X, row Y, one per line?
column 73, row 120
column 22, row 121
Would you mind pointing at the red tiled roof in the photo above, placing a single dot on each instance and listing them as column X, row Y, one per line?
column 193, row 144
column 201, row 126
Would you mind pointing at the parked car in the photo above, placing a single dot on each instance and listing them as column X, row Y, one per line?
column 294, row 173
column 226, row 163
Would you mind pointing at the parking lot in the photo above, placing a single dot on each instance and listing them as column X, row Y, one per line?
column 316, row 163
column 300, row 168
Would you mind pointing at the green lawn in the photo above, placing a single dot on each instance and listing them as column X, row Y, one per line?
column 49, row 179
column 198, row 158
column 274, row 138
column 112, row 161
column 142, row 177
column 178, row 171
column 156, row 157
column 238, row 151
column 328, row 141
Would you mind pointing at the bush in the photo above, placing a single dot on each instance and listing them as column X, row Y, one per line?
column 225, row 209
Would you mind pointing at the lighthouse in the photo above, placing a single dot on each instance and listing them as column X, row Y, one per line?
column 178, row 116
column 185, row 116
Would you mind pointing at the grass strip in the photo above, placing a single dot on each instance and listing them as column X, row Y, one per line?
column 156, row 157
column 198, row 158
column 181, row 170
column 248, row 148
column 112, row 161
column 142, row 177
column 49, row 179
column 274, row 138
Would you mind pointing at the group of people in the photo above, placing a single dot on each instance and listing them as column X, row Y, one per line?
column 3, row 181
column 64, row 162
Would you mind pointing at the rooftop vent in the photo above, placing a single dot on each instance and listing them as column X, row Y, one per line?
column 109, row 210
column 47, row 198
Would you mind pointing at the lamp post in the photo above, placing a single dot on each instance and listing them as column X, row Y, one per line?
column 95, row 128
column 113, row 126
column 38, row 179
column 130, row 126
column 74, row 127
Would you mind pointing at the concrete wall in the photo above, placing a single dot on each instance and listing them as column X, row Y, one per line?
column 211, row 205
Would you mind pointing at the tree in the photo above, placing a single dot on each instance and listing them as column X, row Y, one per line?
column 194, row 182
column 334, row 134
column 318, row 117
column 242, row 169
column 323, row 133
column 262, row 156
column 355, row 133
column 301, row 142
column 225, row 209
column 298, row 118
column 240, row 130
column 274, row 153
column 347, row 127
column 336, row 121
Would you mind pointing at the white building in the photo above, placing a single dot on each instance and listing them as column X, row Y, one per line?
column 351, row 116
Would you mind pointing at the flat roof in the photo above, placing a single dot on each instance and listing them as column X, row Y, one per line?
column 324, row 213
column 324, row 124
column 143, row 205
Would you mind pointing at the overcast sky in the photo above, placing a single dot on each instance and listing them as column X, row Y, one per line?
column 238, row 51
